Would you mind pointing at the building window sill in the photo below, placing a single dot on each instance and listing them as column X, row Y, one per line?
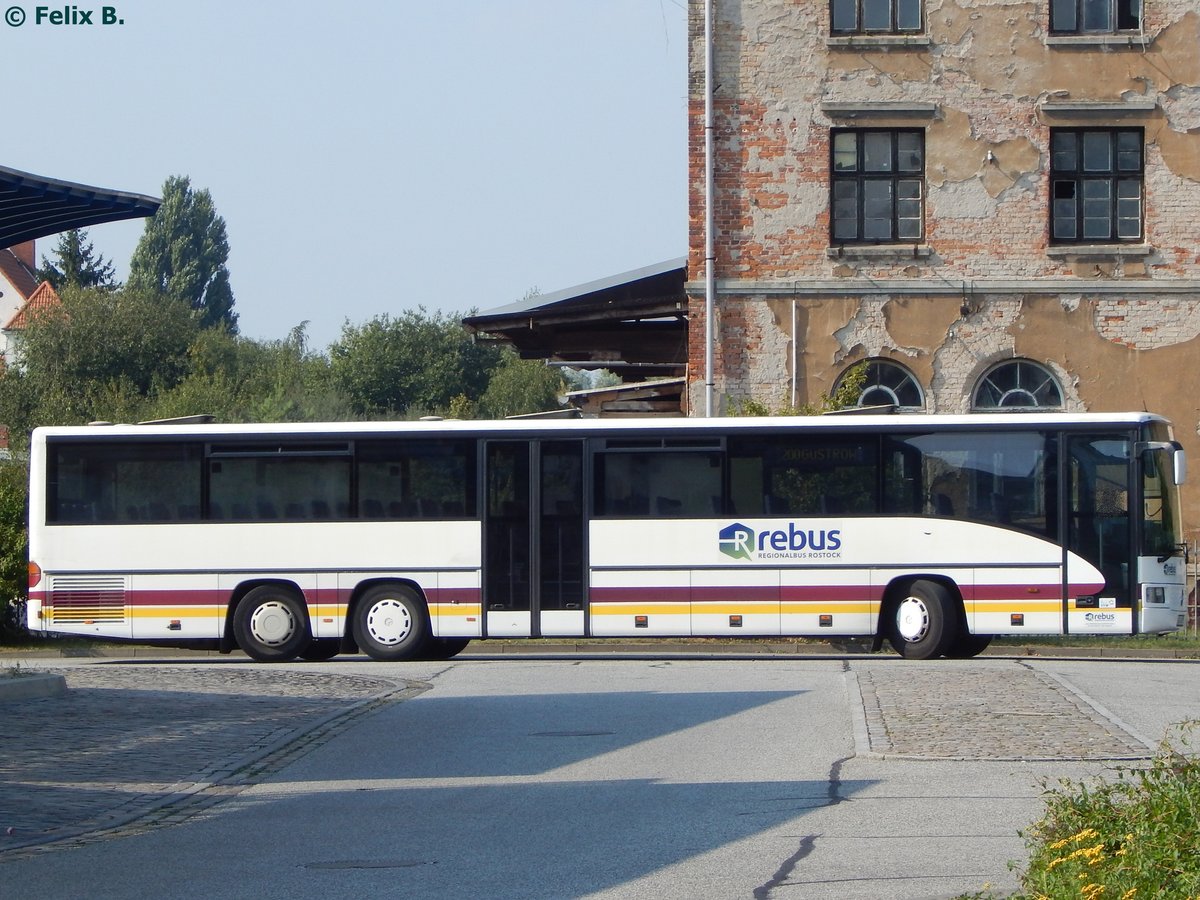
column 1098, row 251
column 1129, row 41
column 879, row 251
column 880, row 109
column 878, row 42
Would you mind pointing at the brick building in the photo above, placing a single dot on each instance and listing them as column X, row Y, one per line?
column 995, row 204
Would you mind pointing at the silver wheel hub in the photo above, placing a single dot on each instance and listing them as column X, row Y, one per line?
column 272, row 623
column 912, row 619
column 389, row 622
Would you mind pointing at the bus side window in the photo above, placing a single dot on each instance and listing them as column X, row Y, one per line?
column 666, row 484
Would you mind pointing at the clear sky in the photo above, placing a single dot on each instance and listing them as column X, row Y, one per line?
column 369, row 157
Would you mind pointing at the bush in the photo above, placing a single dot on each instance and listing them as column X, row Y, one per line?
column 1137, row 836
column 14, row 489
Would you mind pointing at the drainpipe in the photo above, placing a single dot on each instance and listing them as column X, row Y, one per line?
column 709, row 218
column 795, row 357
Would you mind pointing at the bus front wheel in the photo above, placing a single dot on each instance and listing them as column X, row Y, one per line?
column 390, row 623
column 269, row 624
column 923, row 621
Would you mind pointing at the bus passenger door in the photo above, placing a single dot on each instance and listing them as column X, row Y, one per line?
column 1098, row 529
column 533, row 580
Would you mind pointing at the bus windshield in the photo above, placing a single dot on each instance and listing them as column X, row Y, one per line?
column 1162, row 528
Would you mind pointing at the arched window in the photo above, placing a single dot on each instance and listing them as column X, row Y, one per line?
column 1017, row 384
column 888, row 384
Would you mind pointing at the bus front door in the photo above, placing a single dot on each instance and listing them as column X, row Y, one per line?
column 534, row 539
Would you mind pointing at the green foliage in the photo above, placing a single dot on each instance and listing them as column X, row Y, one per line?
column 105, row 336
column 14, row 481
column 76, row 265
column 237, row 379
column 845, row 396
column 589, row 379
column 129, row 356
column 182, row 255
column 98, row 356
column 1135, row 836
column 519, row 387
column 413, row 364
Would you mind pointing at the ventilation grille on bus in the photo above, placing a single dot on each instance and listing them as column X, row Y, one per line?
column 87, row 598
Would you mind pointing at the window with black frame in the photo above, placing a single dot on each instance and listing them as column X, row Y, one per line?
column 1095, row 16
column 1096, row 184
column 875, row 16
column 804, row 475
column 123, row 483
column 658, row 484
column 878, row 185
column 1002, row 478
column 272, row 482
column 416, row 479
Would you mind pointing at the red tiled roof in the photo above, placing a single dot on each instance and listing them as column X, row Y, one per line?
column 19, row 275
column 45, row 297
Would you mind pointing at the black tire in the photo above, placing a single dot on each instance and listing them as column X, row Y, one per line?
column 923, row 620
column 444, row 648
column 391, row 623
column 966, row 645
column 270, row 624
column 321, row 649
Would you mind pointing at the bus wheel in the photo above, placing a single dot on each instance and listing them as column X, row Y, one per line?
column 269, row 624
column 390, row 623
column 965, row 645
column 922, row 624
column 444, row 648
column 321, row 649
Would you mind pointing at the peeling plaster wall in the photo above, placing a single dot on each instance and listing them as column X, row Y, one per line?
column 1123, row 332
column 987, row 68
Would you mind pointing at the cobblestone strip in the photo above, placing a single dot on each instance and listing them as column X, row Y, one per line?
column 1000, row 710
column 112, row 758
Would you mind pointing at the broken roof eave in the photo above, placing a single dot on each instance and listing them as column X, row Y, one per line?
column 614, row 297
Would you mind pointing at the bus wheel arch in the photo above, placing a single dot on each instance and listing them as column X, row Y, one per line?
column 921, row 617
column 389, row 620
column 269, row 620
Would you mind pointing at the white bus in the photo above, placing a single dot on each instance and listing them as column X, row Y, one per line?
column 407, row 540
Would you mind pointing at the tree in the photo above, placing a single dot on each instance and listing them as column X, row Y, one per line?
column 415, row 363
column 76, row 264
column 100, row 355
column 182, row 254
column 238, row 379
column 519, row 387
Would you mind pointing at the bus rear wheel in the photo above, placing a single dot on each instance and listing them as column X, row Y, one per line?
column 269, row 624
column 390, row 623
column 923, row 621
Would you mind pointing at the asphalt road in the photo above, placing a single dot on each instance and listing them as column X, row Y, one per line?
column 588, row 776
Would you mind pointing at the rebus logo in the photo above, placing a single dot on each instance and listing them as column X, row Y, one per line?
column 743, row 542
column 736, row 540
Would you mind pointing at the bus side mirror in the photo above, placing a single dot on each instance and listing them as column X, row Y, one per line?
column 1179, row 465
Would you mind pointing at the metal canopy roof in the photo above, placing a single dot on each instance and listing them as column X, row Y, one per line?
column 32, row 206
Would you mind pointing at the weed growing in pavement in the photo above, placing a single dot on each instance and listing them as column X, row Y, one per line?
column 1135, row 836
